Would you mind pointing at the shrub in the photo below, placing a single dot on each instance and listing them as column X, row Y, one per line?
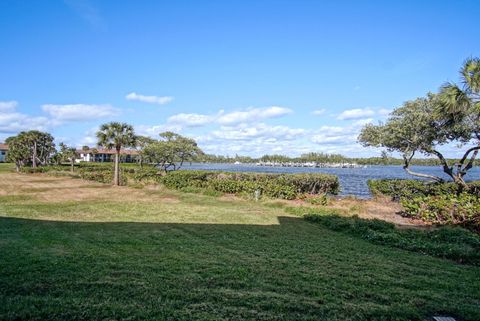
column 318, row 200
column 462, row 209
column 452, row 243
column 408, row 188
column 284, row 186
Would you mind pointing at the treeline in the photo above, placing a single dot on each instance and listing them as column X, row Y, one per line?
column 321, row 158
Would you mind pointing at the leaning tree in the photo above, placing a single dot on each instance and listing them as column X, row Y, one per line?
column 115, row 135
column 171, row 151
column 423, row 125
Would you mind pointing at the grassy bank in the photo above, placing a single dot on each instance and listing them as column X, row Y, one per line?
column 77, row 250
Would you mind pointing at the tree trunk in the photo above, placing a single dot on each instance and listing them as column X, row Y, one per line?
column 432, row 177
column 116, row 177
column 406, row 167
column 34, row 157
column 72, row 163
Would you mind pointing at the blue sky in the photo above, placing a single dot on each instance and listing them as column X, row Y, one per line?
column 246, row 77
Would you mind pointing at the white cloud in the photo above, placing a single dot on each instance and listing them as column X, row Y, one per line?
column 384, row 111
column 12, row 121
column 264, row 131
column 250, row 115
column 160, row 100
column 362, row 122
column 15, row 122
column 154, row 130
column 253, row 115
column 8, row 106
column 79, row 112
column 356, row 113
column 191, row 120
column 319, row 112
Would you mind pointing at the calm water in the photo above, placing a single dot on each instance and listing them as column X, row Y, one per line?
column 353, row 181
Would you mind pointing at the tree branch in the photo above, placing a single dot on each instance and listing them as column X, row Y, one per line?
column 406, row 167
column 446, row 168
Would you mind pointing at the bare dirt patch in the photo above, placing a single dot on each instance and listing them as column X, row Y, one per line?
column 46, row 188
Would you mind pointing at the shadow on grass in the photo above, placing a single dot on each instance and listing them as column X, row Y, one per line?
column 295, row 270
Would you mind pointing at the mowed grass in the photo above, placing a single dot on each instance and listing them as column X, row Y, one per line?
column 75, row 250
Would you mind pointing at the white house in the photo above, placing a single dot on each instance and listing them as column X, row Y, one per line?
column 106, row 155
column 3, row 152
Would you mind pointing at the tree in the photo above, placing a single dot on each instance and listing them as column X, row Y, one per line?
column 116, row 136
column 171, row 151
column 31, row 147
column 18, row 152
column 422, row 125
column 142, row 142
column 409, row 130
column 69, row 154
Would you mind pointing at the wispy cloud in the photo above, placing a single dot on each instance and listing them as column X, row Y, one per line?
column 88, row 12
column 160, row 100
column 356, row 113
column 8, row 106
column 79, row 112
column 12, row 121
column 319, row 112
column 249, row 115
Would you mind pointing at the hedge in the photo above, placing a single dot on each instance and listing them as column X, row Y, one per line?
column 284, row 186
column 409, row 188
column 451, row 209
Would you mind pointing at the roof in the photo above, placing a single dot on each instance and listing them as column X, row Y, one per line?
column 4, row 146
column 109, row 151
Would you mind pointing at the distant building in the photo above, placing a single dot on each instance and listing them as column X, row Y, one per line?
column 3, row 152
column 106, row 155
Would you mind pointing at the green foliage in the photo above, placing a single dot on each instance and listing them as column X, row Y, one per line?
column 456, row 244
column 171, row 151
column 424, row 124
column 409, row 188
column 284, row 186
column 451, row 209
column 30, row 148
column 318, row 200
column 116, row 136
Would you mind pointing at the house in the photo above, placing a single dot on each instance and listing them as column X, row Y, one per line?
column 106, row 155
column 3, row 152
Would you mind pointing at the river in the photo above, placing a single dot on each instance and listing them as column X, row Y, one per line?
column 353, row 181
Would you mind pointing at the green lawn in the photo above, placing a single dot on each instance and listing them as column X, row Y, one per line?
column 71, row 250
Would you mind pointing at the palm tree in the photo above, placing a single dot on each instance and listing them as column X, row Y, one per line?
column 115, row 135
column 459, row 109
column 455, row 100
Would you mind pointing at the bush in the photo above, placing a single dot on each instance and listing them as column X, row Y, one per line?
column 284, row 186
column 452, row 243
column 318, row 200
column 409, row 188
column 462, row 209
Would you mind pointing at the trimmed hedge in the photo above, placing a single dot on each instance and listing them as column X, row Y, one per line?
column 284, row 186
column 409, row 188
column 451, row 209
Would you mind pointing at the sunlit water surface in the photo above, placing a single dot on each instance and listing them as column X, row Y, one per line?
column 353, row 181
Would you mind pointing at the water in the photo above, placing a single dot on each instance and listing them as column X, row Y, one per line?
column 353, row 181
